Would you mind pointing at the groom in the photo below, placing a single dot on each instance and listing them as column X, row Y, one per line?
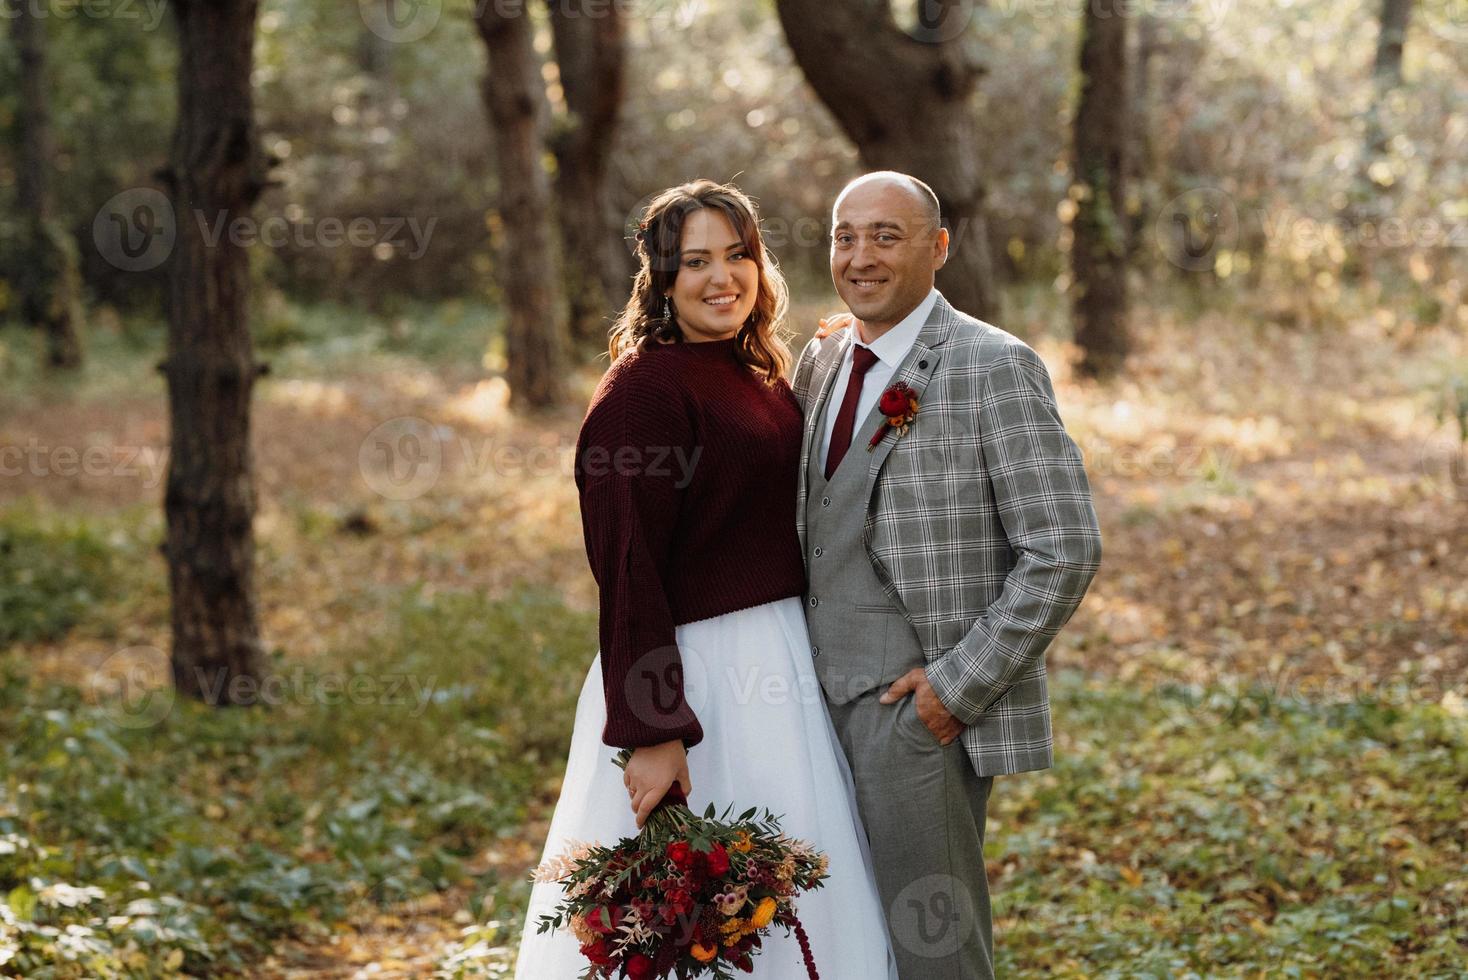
column 941, row 562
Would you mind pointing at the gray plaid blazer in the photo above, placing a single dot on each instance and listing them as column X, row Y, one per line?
column 980, row 524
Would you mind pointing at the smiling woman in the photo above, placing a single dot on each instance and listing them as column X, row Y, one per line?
column 705, row 275
column 717, row 281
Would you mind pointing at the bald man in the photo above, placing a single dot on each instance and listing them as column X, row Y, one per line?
column 942, row 557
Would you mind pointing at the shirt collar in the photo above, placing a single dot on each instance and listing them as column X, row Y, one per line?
column 893, row 345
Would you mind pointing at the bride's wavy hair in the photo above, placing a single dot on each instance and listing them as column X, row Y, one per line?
column 659, row 247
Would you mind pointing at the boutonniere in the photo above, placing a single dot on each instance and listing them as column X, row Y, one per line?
column 899, row 404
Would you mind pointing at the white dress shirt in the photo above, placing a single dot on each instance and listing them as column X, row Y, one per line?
column 890, row 349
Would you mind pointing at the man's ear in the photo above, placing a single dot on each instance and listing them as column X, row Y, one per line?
column 940, row 249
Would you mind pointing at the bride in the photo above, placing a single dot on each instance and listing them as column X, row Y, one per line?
column 686, row 466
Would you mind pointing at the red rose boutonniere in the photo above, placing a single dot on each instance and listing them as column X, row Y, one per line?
column 899, row 404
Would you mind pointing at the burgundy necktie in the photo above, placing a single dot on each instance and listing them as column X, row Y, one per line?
column 862, row 359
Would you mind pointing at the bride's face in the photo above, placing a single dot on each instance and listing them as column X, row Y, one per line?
column 717, row 280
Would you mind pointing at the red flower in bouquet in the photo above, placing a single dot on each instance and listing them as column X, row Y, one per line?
column 899, row 406
column 689, row 896
column 716, row 861
column 604, row 919
column 680, row 852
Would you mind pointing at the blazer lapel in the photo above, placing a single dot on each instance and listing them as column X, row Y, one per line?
column 916, row 370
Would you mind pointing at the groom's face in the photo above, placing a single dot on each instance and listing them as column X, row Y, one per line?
column 885, row 252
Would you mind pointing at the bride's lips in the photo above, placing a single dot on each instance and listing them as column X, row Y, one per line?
column 722, row 301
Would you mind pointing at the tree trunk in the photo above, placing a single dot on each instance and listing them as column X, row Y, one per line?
column 1386, row 73
column 215, row 174
column 590, row 52
column 535, row 343
column 49, row 280
column 1365, row 200
column 1098, row 188
column 1139, row 163
column 904, row 99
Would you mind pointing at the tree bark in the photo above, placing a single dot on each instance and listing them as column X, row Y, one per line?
column 589, row 40
column 1139, row 163
column 1386, row 76
column 535, row 343
column 216, row 172
column 906, row 104
column 49, row 280
column 1098, row 188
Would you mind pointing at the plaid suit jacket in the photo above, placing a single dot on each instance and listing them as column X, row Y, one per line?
column 980, row 524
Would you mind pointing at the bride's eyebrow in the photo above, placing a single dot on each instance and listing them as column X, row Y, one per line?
column 704, row 251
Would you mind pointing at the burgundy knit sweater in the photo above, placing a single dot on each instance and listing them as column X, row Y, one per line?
column 686, row 465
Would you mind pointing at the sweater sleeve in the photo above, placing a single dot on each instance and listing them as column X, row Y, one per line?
column 631, row 498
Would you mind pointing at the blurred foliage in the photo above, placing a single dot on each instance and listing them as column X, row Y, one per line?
column 1260, row 103
column 195, row 840
column 51, row 575
column 1311, row 838
column 1314, row 838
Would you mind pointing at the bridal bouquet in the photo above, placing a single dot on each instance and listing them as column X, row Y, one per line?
column 689, row 896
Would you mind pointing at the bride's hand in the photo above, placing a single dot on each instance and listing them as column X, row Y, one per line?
column 830, row 324
column 651, row 771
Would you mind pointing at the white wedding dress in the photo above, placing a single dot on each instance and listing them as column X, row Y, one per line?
column 767, row 742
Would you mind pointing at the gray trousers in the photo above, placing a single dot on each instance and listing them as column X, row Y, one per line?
column 924, row 810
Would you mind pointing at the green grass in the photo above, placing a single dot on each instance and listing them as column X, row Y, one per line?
column 1181, row 833
column 299, row 340
column 209, row 834
column 1190, row 833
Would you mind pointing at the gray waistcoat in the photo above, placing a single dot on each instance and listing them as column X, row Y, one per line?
column 859, row 638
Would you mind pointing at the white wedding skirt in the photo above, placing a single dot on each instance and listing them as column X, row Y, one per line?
column 767, row 742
